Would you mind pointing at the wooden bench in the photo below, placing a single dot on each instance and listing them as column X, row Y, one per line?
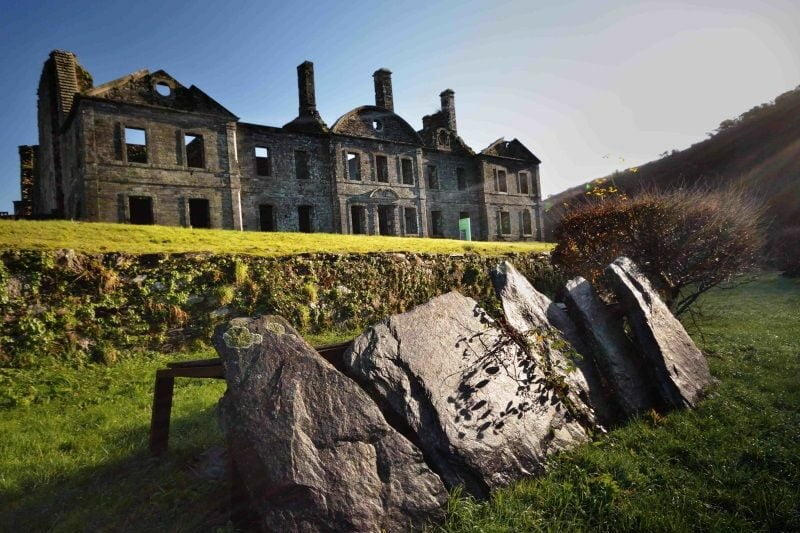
column 203, row 368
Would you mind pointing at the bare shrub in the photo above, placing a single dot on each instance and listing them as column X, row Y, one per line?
column 686, row 241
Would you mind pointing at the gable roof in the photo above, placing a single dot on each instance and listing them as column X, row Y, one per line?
column 512, row 149
column 140, row 87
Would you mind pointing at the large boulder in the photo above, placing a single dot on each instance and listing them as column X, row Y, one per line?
column 679, row 368
column 482, row 409
column 311, row 448
column 619, row 363
column 530, row 312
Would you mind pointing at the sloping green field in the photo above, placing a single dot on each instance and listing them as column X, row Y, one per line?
column 100, row 237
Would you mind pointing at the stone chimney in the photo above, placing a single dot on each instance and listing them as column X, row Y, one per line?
column 305, row 89
column 449, row 108
column 383, row 89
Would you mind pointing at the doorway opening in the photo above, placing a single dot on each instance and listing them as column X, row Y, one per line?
column 386, row 220
column 141, row 209
column 199, row 213
column 304, row 213
column 358, row 218
column 265, row 218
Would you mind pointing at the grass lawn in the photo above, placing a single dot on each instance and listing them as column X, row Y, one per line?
column 100, row 237
column 73, row 446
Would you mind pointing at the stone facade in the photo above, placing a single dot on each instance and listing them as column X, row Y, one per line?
column 145, row 149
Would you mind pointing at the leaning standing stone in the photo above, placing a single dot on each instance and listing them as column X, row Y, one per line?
column 312, row 449
column 613, row 350
column 680, row 369
column 483, row 413
column 528, row 311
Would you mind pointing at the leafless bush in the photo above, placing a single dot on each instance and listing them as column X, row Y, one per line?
column 686, row 241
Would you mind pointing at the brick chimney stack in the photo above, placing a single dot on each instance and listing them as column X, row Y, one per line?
column 305, row 88
column 448, row 98
column 383, row 89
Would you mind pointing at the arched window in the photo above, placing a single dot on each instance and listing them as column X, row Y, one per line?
column 527, row 227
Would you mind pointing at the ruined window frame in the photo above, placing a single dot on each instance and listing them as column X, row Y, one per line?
column 437, row 226
column 307, row 164
column 411, row 177
column 385, row 158
column 504, row 222
column 126, row 144
column 203, row 158
column 461, row 179
column 504, row 188
column 268, row 161
column 523, row 177
column 406, row 230
column 526, row 224
column 432, row 178
column 357, row 157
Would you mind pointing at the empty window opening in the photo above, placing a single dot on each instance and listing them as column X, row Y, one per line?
column 377, row 125
column 407, row 170
column 523, row 183
column 502, row 185
column 353, row 166
column 163, row 88
column 436, row 224
column 358, row 219
column 527, row 226
column 136, row 145
column 433, row 177
column 263, row 162
column 461, row 179
column 505, row 223
column 382, row 168
column 386, row 220
column 410, row 221
column 301, row 164
column 305, row 218
column 141, row 209
column 195, row 158
column 199, row 213
column 444, row 139
column 266, row 217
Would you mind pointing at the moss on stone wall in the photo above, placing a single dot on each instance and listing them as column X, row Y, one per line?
column 97, row 307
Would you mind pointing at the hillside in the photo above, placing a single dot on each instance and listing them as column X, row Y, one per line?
column 96, row 237
column 759, row 149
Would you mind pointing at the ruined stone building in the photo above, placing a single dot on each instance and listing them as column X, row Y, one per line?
column 144, row 149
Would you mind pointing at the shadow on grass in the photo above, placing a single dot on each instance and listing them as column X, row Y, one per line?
column 183, row 490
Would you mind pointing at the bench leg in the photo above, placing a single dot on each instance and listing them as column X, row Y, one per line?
column 162, row 407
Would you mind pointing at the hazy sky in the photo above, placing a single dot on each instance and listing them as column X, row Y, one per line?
column 588, row 86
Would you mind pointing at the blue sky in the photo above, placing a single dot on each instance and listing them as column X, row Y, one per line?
column 589, row 86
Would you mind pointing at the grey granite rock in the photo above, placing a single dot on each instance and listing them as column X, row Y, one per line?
column 619, row 363
column 480, row 409
column 528, row 310
column 312, row 449
column 678, row 366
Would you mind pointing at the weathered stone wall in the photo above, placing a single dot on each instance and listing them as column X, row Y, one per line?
column 165, row 177
column 511, row 201
column 95, row 306
column 282, row 189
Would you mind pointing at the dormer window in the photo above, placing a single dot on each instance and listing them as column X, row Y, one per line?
column 377, row 125
column 443, row 139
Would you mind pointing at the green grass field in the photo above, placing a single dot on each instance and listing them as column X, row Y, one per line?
column 99, row 237
column 73, row 446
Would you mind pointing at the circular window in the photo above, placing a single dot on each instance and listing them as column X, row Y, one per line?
column 377, row 125
column 163, row 88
